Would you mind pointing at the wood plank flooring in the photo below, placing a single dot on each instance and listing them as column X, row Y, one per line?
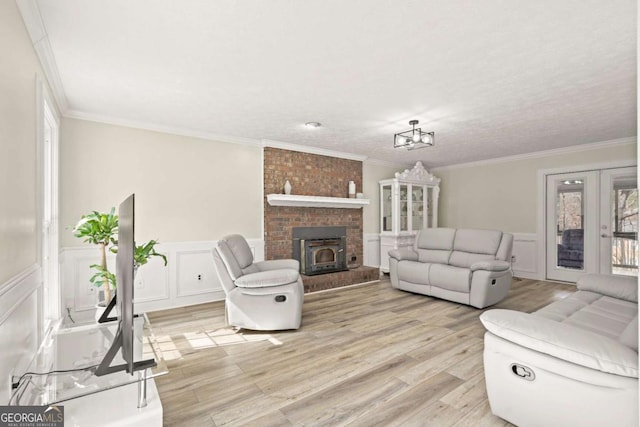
column 364, row 356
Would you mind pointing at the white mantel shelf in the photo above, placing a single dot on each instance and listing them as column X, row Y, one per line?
column 315, row 201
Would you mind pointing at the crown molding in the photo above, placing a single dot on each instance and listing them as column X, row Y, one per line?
column 35, row 28
column 546, row 153
column 312, row 150
column 73, row 114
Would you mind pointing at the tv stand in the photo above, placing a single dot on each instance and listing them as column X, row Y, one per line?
column 79, row 350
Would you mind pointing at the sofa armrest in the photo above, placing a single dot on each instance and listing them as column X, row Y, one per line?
column 269, row 278
column 563, row 341
column 278, row 264
column 495, row 265
column 403, row 254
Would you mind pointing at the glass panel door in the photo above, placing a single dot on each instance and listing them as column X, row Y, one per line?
column 385, row 206
column 619, row 222
column 429, row 204
column 571, row 220
column 417, row 207
column 404, row 207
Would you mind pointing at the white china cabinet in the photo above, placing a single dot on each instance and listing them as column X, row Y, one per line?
column 408, row 203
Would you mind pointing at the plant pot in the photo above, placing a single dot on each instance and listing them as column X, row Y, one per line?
column 100, row 308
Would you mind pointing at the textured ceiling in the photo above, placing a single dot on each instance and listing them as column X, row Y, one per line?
column 492, row 78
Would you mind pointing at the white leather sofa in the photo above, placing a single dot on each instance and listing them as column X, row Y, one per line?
column 462, row 265
column 572, row 363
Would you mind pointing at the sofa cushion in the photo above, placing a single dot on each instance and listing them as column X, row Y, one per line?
column 477, row 241
column 622, row 287
column 466, row 259
column 435, row 238
column 434, row 244
column 226, row 254
column 593, row 312
column 268, row 278
column 629, row 336
column 471, row 246
column 413, row 272
column 451, row 278
column 240, row 249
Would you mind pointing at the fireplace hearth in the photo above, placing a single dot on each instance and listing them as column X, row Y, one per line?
column 320, row 249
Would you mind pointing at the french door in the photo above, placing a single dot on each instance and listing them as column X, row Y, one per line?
column 591, row 223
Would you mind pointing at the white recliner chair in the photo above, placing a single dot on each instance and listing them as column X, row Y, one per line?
column 265, row 295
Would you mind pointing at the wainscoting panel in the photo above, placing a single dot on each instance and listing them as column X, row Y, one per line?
column 152, row 281
column 18, row 325
column 525, row 249
column 189, row 277
column 371, row 250
column 196, row 274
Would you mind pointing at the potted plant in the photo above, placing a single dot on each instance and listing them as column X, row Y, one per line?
column 102, row 229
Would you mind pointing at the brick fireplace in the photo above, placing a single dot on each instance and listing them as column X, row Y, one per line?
column 313, row 175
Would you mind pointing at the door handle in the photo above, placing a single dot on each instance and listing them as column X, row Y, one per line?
column 604, row 235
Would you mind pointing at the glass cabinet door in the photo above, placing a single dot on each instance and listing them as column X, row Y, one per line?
column 417, row 207
column 429, row 207
column 404, row 207
column 386, row 203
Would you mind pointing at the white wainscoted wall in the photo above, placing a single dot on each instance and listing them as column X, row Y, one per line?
column 524, row 256
column 371, row 250
column 189, row 277
column 524, row 250
column 19, row 325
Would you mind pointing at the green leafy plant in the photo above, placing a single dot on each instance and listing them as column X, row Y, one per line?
column 144, row 252
column 102, row 229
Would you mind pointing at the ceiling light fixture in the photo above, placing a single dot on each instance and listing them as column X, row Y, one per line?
column 414, row 138
column 313, row 124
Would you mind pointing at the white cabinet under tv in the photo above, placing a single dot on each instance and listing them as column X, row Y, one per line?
column 408, row 203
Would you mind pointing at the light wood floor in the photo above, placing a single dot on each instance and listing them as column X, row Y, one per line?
column 364, row 356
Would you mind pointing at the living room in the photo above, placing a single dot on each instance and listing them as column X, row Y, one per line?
column 537, row 110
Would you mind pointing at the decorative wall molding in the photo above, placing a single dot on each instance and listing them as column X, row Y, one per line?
column 312, row 150
column 189, row 277
column 33, row 22
column 545, row 153
column 525, row 250
column 19, row 324
column 154, row 127
column 371, row 250
column 17, row 289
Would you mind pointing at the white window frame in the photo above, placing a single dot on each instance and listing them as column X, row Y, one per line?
column 47, row 154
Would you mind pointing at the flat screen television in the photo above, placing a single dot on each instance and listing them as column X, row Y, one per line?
column 123, row 298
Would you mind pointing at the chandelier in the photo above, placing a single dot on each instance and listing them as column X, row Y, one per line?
column 414, row 138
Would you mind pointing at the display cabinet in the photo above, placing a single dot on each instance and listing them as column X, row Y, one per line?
column 408, row 203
